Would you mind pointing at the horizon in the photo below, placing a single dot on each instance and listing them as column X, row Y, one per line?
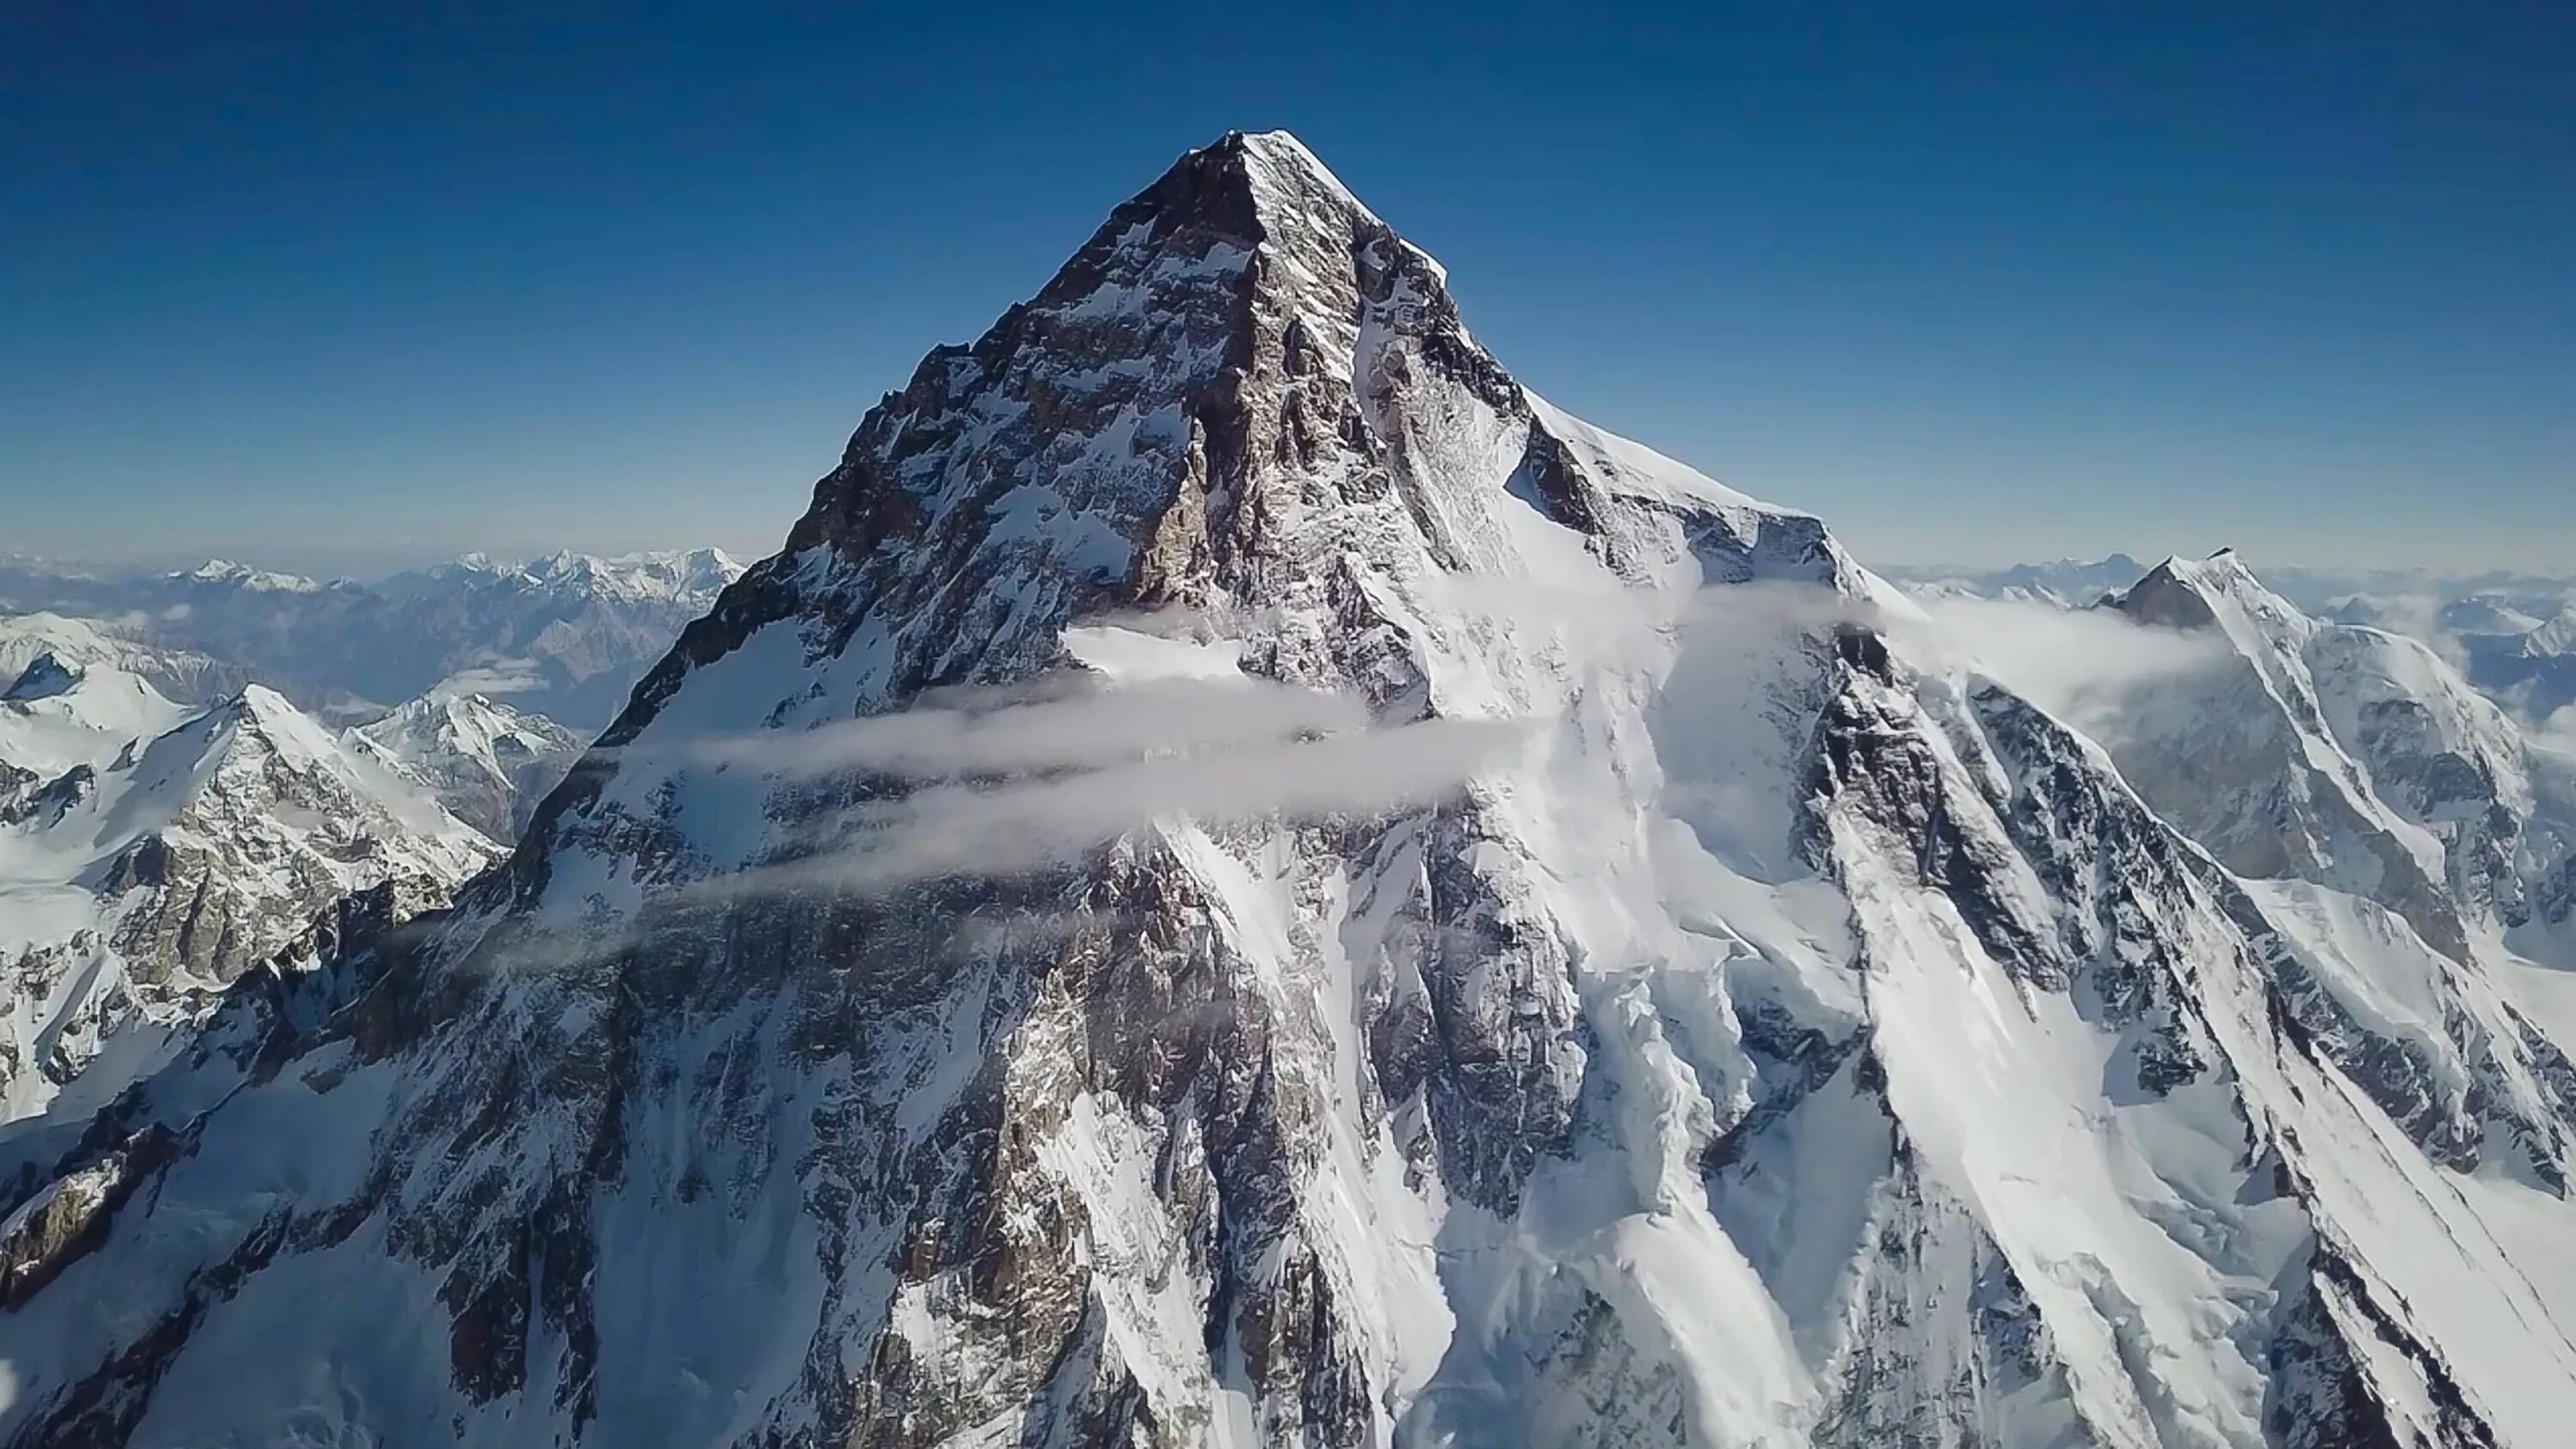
column 1904, row 571
column 385, row 291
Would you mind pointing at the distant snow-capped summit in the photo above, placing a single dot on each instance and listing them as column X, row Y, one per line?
column 485, row 761
column 227, row 574
column 164, row 853
column 670, row 574
column 2066, row 581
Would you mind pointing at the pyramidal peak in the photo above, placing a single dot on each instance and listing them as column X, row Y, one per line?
column 45, row 676
column 258, row 708
column 2218, row 589
column 1219, row 395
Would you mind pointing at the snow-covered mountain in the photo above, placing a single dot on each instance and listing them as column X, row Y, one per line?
column 565, row 635
column 2532, row 669
column 56, row 713
column 2356, row 758
column 2065, row 581
column 2511, row 636
column 176, row 674
column 149, row 855
column 487, row 763
column 1243, row 879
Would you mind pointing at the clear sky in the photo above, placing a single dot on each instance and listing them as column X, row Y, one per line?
column 342, row 287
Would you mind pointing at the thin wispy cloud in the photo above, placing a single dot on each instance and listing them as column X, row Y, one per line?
column 507, row 676
column 1008, row 781
column 2088, row 667
column 1065, row 721
column 2558, row 732
column 1022, row 825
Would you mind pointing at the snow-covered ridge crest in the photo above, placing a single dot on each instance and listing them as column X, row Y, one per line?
column 2355, row 758
column 1787, row 1039
column 163, row 853
column 181, row 675
column 486, row 762
column 678, row 574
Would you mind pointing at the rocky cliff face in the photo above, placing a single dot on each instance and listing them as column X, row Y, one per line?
column 1754, row 1035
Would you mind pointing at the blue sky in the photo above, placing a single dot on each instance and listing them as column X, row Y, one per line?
column 332, row 291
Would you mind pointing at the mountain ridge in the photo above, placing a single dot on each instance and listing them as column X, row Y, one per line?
column 153, row 854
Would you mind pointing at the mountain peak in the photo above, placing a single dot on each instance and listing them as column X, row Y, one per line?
column 2191, row 593
column 243, row 576
column 1249, row 182
column 1226, row 385
column 1279, row 165
column 260, row 714
column 44, row 677
column 258, row 701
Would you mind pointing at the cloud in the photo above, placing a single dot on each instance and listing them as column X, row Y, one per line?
column 2089, row 667
column 2417, row 616
column 506, row 676
column 1002, row 782
column 2558, row 732
column 1060, row 721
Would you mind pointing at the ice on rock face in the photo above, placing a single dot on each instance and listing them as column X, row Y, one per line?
column 1785, row 1040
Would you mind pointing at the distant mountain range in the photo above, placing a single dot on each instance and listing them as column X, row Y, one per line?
column 2512, row 635
column 565, row 635
column 2072, row 581
column 171, row 821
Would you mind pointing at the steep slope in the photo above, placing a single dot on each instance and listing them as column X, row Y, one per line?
column 487, row 763
column 2355, row 758
column 2502, row 803
column 1724, row 1029
column 164, row 862
column 2247, row 764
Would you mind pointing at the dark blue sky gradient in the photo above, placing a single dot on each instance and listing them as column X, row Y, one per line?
column 332, row 290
